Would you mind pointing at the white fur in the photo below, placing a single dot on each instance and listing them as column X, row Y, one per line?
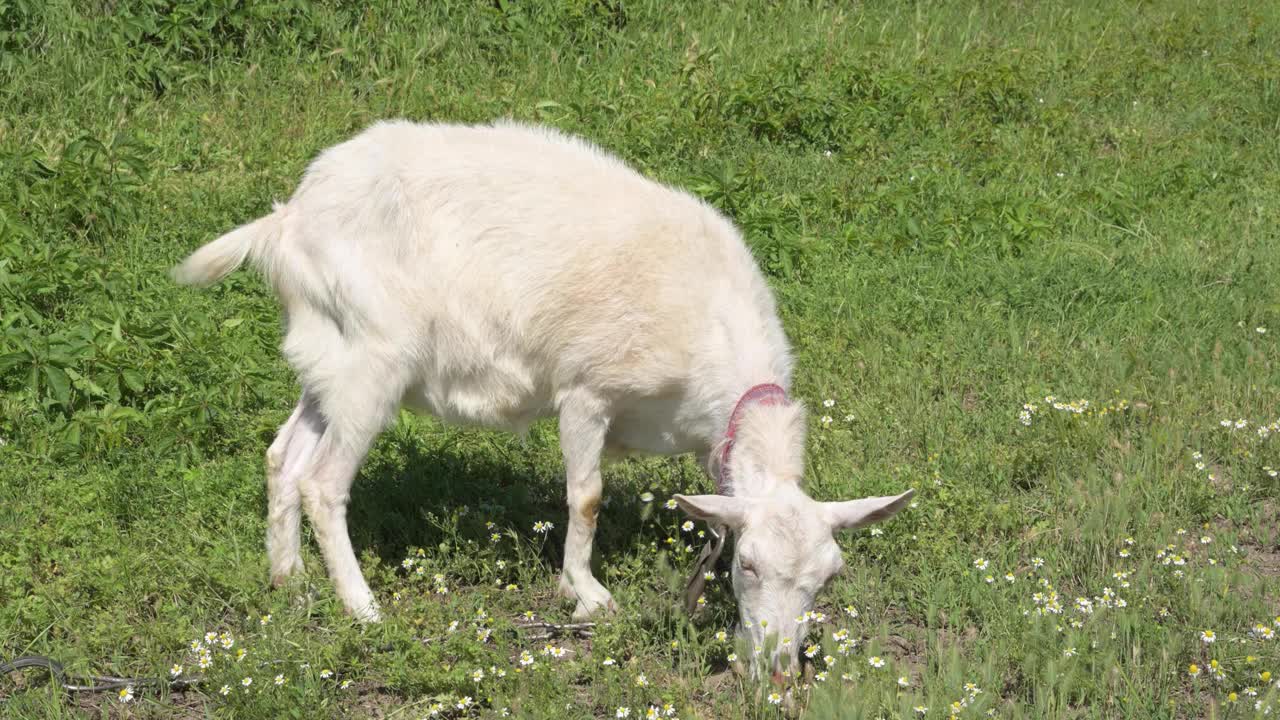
column 493, row 275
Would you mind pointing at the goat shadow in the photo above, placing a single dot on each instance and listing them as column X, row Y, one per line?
column 421, row 468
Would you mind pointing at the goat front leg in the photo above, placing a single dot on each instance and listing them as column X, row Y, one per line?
column 583, row 425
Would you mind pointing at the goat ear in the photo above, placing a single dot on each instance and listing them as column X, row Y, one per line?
column 852, row 514
column 715, row 509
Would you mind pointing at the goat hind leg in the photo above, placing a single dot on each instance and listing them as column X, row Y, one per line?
column 325, row 486
column 291, row 448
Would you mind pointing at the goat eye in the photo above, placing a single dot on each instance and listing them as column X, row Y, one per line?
column 747, row 568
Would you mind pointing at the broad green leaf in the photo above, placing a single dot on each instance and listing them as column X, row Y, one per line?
column 59, row 384
column 133, row 379
column 8, row 362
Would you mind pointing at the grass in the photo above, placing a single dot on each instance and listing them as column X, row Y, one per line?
column 962, row 207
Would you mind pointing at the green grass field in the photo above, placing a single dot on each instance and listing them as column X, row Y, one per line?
column 962, row 207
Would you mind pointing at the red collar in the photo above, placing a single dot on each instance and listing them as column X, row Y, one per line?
column 767, row 394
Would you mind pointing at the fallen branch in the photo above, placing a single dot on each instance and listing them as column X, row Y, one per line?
column 546, row 631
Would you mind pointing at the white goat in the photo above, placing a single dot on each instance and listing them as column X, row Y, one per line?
column 493, row 275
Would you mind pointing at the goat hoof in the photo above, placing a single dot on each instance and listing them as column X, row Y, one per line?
column 586, row 611
column 367, row 616
column 280, row 578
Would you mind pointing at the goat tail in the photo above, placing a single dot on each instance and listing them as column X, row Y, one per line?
column 219, row 258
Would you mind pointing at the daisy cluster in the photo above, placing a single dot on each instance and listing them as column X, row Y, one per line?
column 1263, row 430
column 827, row 420
column 229, row 668
column 1080, row 408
